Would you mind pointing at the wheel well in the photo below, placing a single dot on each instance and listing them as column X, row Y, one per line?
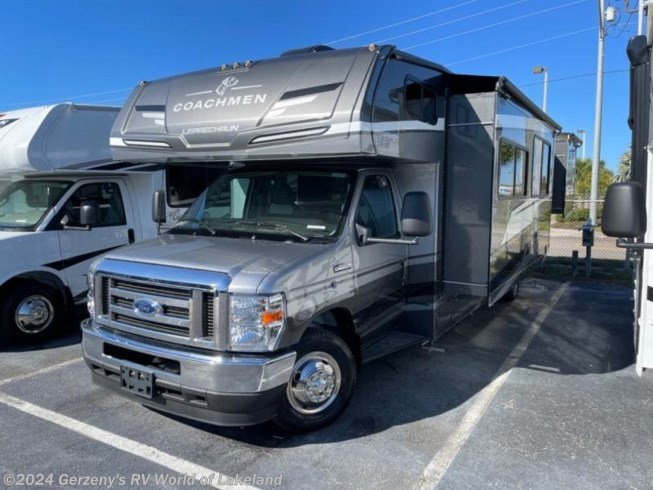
column 340, row 322
column 43, row 278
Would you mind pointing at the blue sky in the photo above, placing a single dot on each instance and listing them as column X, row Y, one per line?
column 94, row 51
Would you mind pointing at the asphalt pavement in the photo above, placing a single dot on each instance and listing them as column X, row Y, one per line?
column 537, row 393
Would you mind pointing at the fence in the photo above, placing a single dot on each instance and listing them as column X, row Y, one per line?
column 567, row 237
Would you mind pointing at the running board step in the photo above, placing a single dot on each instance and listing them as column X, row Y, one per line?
column 391, row 343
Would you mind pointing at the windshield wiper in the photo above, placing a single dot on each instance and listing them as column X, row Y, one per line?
column 201, row 224
column 276, row 226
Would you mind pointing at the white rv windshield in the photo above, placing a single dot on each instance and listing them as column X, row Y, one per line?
column 288, row 204
column 23, row 204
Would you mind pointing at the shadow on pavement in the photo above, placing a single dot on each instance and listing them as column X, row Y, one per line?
column 589, row 331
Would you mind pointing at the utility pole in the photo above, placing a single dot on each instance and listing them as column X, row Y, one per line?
column 598, row 108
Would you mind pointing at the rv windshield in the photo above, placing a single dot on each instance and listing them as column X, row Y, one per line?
column 24, row 203
column 298, row 205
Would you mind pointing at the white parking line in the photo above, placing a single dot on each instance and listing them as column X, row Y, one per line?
column 203, row 475
column 436, row 469
column 47, row 369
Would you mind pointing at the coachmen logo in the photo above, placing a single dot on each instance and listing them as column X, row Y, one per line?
column 147, row 307
column 229, row 95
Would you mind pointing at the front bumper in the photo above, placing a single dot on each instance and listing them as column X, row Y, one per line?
column 221, row 389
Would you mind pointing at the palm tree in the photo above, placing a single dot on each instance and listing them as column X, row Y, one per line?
column 623, row 174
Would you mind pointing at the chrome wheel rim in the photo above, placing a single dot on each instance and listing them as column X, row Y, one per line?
column 314, row 383
column 34, row 314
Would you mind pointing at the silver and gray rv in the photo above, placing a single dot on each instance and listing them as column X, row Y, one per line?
column 373, row 200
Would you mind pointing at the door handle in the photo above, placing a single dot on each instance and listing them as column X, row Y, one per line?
column 130, row 235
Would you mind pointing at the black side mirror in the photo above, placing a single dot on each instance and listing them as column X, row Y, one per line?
column 159, row 207
column 624, row 211
column 88, row 214
column 416, row 214
column 362, row 234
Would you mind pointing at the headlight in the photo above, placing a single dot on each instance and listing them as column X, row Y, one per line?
column 255, row 322
column 90, row 298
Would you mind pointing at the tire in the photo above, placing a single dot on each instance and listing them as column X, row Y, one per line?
column 513, row 293
column 326, row 359
column 32, row 312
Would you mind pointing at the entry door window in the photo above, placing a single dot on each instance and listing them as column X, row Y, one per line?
column 376, row 208
column 111, row 211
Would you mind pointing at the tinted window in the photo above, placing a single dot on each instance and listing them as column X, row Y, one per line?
column 512, row 170
column 186, row 182
column 376, row 209
column 537, row 167
column 420, row 102
column 106, row 196
column 546, row 168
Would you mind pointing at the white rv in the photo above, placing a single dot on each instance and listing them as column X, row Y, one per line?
column 55, row 164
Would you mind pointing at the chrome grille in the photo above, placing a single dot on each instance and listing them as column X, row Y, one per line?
column 147, row 288
column 168, row 309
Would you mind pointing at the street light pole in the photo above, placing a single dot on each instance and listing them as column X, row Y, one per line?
column 542, row 69
column 598, row 108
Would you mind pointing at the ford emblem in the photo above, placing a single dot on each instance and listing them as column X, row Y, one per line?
column 147, row 307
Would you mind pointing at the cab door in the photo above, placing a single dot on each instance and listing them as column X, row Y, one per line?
column 380, row 268
column 114, row 228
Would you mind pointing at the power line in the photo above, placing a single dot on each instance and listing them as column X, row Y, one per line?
column 512, row 48
column 59, row 99
column 372, row 31
column 467, row 17
column 482, row 28
column 571, row 77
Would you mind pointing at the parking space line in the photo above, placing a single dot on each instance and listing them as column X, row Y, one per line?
column 200, row 473
column 44, row 370
column 436, row 469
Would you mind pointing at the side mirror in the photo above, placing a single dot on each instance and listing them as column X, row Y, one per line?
column 362, row 234
column 159, row 207
column 624, row 211
column 416, row 215
column 88, row 214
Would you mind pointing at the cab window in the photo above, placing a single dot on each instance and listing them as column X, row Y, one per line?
column 376, row 208
column 111, row 211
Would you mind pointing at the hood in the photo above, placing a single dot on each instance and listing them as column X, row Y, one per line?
column 246, row 262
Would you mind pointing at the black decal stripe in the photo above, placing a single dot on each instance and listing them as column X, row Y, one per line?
column 69, row 262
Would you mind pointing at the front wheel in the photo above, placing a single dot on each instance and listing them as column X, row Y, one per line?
column 31, row 312
column 321, row 382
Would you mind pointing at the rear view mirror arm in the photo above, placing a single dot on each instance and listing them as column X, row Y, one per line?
column 625, row 243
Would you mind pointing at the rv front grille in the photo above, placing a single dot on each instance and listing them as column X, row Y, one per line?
column 157, row 327
column 149, row 288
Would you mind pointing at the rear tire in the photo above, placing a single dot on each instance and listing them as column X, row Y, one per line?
column 321, row 383
column 31, row 313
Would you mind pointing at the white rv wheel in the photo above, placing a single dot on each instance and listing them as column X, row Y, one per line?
column 321, row 382
column 31, row 312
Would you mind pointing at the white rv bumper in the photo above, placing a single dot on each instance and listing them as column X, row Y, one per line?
column 223, row 389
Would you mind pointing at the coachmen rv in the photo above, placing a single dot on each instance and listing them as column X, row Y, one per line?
column 373, row 200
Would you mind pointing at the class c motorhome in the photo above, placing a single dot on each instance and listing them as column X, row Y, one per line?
column 55, row 166
column 373, row 200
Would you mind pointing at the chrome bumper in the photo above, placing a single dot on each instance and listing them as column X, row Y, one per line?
column 217, row 373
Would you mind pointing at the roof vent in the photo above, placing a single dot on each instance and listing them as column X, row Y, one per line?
column 309, row 49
